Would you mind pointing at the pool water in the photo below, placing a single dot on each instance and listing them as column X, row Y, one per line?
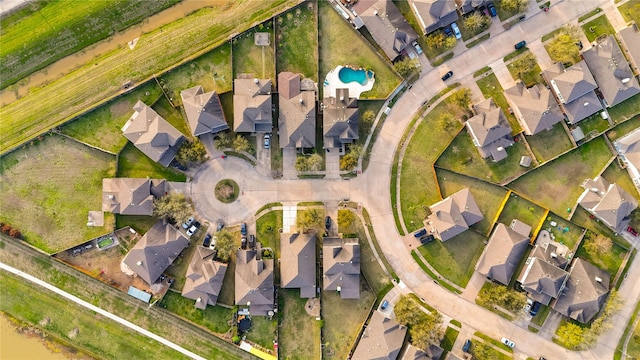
column 348, row 75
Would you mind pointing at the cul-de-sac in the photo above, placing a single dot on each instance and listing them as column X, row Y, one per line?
column 320, row 179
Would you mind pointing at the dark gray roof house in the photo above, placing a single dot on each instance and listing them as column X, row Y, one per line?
column 254, row 281
column 433, row 352
column 204, row 278
column 298, row 263
column 341, row 266
column 130, row 196
column 387, row 26
column 382, row 339
column 630, row 37
column 506, row 248
column 340, row 119
column 155, row 251
column 584, row 293
column 204, row 111
column 453, row 215
column 608, row 202
column 490, row 131
column 434, row 14
column 535, row 108
column 628, row 148
column 297, row 116
column 611, row 71
column 252, row 105
column 551, row 251
column 152, row 134
column 542, row 280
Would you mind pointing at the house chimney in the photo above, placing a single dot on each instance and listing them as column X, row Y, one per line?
column 598, row 279
column 255, row 80
column 554, row 255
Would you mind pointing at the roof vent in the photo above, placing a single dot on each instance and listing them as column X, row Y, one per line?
column 375, row 13
column 300, row 101
column 139, row 263
column 255, row 80
column 625, row 80
column 598, row 279
column 111, row 197
column 198, row 299
column 341, row 97
column 586, row 103
column 554, row 255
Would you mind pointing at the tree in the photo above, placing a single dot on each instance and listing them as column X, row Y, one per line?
column 407, row 311
column 523, row 64
column 446, row 121
column 436, row 40
column 598, row 245
column 571, row 335
column 405, row 68
column 427, row 331
column 346, row 218
column 348, row 162
column 314, row 162
column 482, row 351
column 301, row 164
column 462, row 98
column 515, row 5
column 450, row 42
column 191, row 152
column 240, row 143
column 476, row 21
column 368, row 116
column 174, row 208
column 226, row 245
column 355, row 150
column 563, row 46
column 223, row 141
column 311, row 220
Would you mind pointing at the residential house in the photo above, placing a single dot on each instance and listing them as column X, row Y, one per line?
column 341, row 266
column 340, row 119
column 434, row 14
column 387, row 26
column 453, row 215
column 204, row 111
column 152, row 134
column 433, row 352
column 297, row 116
column 155, row 251
column 204, row 278
column 630, row 37
column 535, row 108
column 611, row 71
column 585, row 292
column 506, row 248
column 551, row 251
column 610, row 203
column 254, row 281
column 490, row 131
column 382, row 339
column 628, row 148
column 131, row 196
column 573, row 88
column 298, row 263
column 252, row 111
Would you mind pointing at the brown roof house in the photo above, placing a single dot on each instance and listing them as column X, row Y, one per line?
column 340, row 119
column 574, row 88
column 585, row 292
column 298, row 263
column 382, row 339
column 535, row 108
column 611, row 71
column 433, row 352
column 490, row 131
column 628, row 148
column 506, row 248
column 204, row 278
column 608, row 202
column 152, row 134
column 131, row 196
column 341, row 265
column 254, row 281
column 155, row 251
column 453, row 215
column 252, row 105
column 434, row 14
column 387, row 26
column 204, row 111
column 297, row 115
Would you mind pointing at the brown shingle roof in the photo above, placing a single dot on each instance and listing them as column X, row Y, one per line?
column 252, row 105
column 490, row 130
column 535, row 107
column 340, row 119
column 584, row 293
column 382, row 339
column 127, row 196
column 298, row 263
column 204, row 111
column 254, row 281
column 453, row 215
column 341, row 266
column 204, row 278
column 608, row 202
column 297, row 115
column 503, row 254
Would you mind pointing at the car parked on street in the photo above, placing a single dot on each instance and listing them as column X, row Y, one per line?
column 508, row 342
column 520, row 45
column 447, row 75
column 492, row 10
column 456, row 31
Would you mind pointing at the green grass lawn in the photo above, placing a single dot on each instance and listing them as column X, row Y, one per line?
column 489, row 197
column 627, row 109
column 503, row 13
column 297, row 41
column 594, row 124
column 249, row 58
column 139, row 223
column 133, row 163
column 583, row 218
column 551, row 35
column 593, row 12
column 633, row 346
column 364, row 127
column 614, row 174
column 263, row 331
column 522, row 209
column 599, row 25
column 468, row 33
column 570, row 237
column 556, row 185
column 455, row 258
column 547, row 144
column 172, row 115
column 609, row 261
column 623, row 128
column 48, row 188
column 492, row 352
column 299, row 333
column 491, row 88
column 340, row 44
column 267, row 234
column 630, row 11
column 530, row 78
column 214, row 318
column 450, row 336
column 542, row 315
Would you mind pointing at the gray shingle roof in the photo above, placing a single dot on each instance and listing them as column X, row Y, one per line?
column 583, row 107
column 535, row 107
column 252, row 105
column 254, row 281
column 631, row 38
column 340, row 118
column 341, row 266
column 542, row 280
column 204, row 111
column 298, row 263
column 127, row 196
column 204, row 278
column 608, row 202
column 297, row 115
column 490, row 130
column 453, row 215
column 584, row 293
column 434, row 14
column 571, row 83
column 628, row 146
column 432, row 353
column 503, row 254
column 382, row 339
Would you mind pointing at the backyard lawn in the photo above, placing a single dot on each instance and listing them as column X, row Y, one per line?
column 596, row 27
column 297, row 41
column 139, row 223
column 627, row 109
column 249, row 58
column 562, row 235
column 522, row 209
column 593, row 125
column 583, row 218
column 624, row 128
column 630, row 11
column 609, row 260
column 263, row 331
column 48, row 188
column 340, row 44
column 614, row 174
column 548, row 144
column 214, row 318
column 491, row 88
column 531, row 77
column 299, row 332
column 133, row 163
column 556, row 185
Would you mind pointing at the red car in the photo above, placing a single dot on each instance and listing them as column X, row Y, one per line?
column 632, row 231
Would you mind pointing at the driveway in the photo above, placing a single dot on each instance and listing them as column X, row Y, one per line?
column 332, row 163
column 288, row 163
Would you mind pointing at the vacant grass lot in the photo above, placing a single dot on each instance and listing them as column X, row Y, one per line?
column 340, row 44
column 491, row 88
column 522, row 209
column 630, row 11
column 214, row 318
column 530, row 78
column 596, row 27
column 624, row 128
column 48, row 188
column 547, row 144
column 556, row 185
column 608, row 260
column 133, row 163
column 562, row 235
column 297, row 41
column 249, row 58
column 45, row 32
column 75, row 93
column 299, row 333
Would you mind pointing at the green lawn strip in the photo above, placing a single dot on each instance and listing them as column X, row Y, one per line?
column 514, row 54
column 609, row 261
column 298, row 332
column 561, row 234
column 633, row 347
column 442, row 59
column 583, row 218
column 628, row 109
column 381, row 254
column 494, row 354
column 48, row 188
column 214, row 318
column 594, row 124
column 227, row 292
column 263, row 332
column 422, row 303
column 503, row 13
column 249, row 58
column 340, row 44
column 542, row 315
column 547, row 144
column 364, row 127
column 268, row 206
column 551, row 35
column 456, row 323
column 589, row 14
column 599, row 25
column 477, row 41
column 311, row 203
column 493, row 341
column 632, row 256
column 530, row 78
column 431, row 274
column 522, row 209
column 369, row 265
column 491, row 88
column 534, row 330
column 297, row 41
column 172, row 115
column 450, row 336
column 139, row 223
column 97, row 335
column 615, row 175
column 135, row 164
column 482, row 71
column 630, row 11
column 488, row 196
column 34, row 39
column 624, row 128
column 556, row 185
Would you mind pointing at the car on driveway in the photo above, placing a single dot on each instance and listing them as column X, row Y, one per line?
column 207, row 240
column 267, row 141
column 243, row 229
column 447, row 75
column 327, row 222
column 466, row 346
column 508, row 342
column 418, row 48
column 420, row 233
column 384, row 305
column 427, row 239
column 456, row 31
column 188, row 223
column 492, row 10
column 632, row 231
column 192, row 230
column 447, row 31
column 535, row 308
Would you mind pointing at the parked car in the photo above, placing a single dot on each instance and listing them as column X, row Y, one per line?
column 535, row 308
column 188, row 223
column 267, row 141
column 447, row 75
column 243, row 229
column 427, row 239
column 327, row 222
column 252, row 241
column 384, row 305
column 632, row 231
column 466, row 346
column 243, row 243
column 220, row 225
column 418, row 48
column 420, row 233
column 520, row 45
column 207, row 240
column 192, row 230
column 456, row 31
column 492, row 10
column 447, row 31
column 508, row 342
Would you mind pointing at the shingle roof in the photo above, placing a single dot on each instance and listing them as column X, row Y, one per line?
column 252, row 105
column 204, row 278
column 629, row 147
column 127, row 196
column 434, row 14
column 340, row 118
column 542, row 280
column 535, row 107
column 432, row 353
column 503, row 254
column 254, row 281
column 551, row 251
column 608, row 202
column 341, row 266
column 382, row 339
column 490, row 130
column 297, row 115
column 204, row 111
column 584, row 293
column 298, row 263
column 631, row 38
column 570, row 83
column 453, row 215
column 583, row 107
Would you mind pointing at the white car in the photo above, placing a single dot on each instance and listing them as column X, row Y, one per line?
column 508, row 342
column 188, row 223
column 192, row 230
column 267, row 141
column 418, row 48
column 456, row 31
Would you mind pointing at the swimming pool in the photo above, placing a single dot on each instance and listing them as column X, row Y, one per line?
column 348, row 75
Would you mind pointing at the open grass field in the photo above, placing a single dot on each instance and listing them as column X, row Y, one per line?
column 133, row 163
column 340, row 44
column 530, row 78
column 48, row 188
column 172, row 115
column 614, row 174
column 214, row 318
column 548, row 144
column 249, row 58
column 299, row 333
column 628, row 109
column 522, row 209
column 562, row 235
column 624, row 128
column 556, row 185
column 488, row 196
column 456, row 258
column 297, row 41
column 630, row 11
column 44, row 32
column 62, row 99
column 102, row 127
column 491, row 88
column 598, row 26
column 609, row 260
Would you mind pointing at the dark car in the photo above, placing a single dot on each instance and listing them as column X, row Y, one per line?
column 447, row 31
column 447, row 75
column 252, row 241
column 420, row 233
column 427, row 239
column 207, row 240
column 492, row 10
column 466, row 346
column 243, row 229
column 327, row 222
column 520, row 45
column 535, row 308
column 243, row 243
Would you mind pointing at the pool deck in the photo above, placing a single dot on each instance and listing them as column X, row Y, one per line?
column 332, row 82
